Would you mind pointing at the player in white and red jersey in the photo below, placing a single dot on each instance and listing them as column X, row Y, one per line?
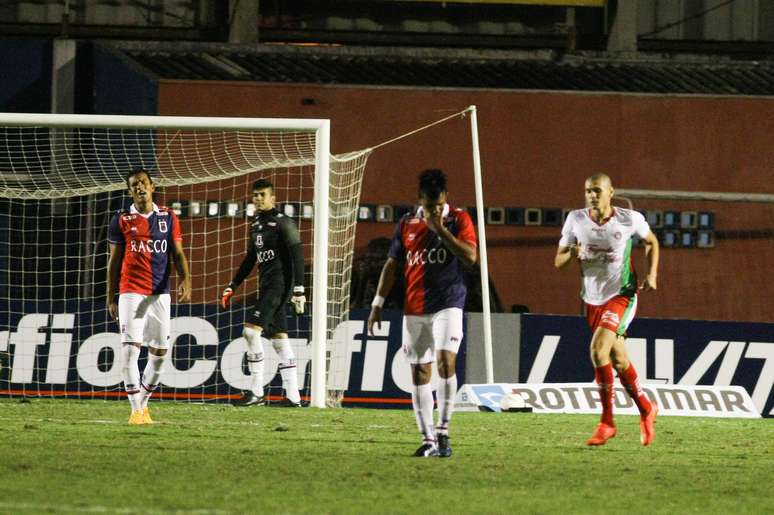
column 600, row 239
column 144, row 241
column 432, row 245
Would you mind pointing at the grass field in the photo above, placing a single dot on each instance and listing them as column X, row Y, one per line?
column 59, row 456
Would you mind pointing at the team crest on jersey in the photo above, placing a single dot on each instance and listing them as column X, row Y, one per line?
column 271, row 224
column 163, row 225
column 259, row 240
column 411, row 236
column 618, row 235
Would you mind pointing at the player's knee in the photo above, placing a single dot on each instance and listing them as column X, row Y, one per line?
column 421, row 373
column 446, row 366
column 251, row 334
column 284, row 350
column 161, row 353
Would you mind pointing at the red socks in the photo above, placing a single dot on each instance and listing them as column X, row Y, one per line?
column 629, row 381
column 604, row 378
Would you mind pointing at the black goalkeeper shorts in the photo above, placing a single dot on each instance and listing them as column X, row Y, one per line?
column 269, row 312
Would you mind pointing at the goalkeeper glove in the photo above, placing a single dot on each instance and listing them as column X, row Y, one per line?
column 226, row 297
column 298, row 300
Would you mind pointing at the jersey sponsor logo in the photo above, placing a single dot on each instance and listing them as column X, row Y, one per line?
column 413, row 221
column 163, row 225
column 610, row 317
column 259, row 240
column 265, row 255
column 149, row 246
column 425, row 256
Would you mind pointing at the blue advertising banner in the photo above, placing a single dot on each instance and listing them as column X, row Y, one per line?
column 71, row 349
column 555, row 349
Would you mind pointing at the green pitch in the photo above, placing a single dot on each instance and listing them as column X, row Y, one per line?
column 60, row 456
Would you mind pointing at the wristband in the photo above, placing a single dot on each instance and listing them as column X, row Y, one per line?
column 377, row 302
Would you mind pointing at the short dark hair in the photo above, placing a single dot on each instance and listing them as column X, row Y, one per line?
column 263, row 183
column 138, row 171
column 432, row 183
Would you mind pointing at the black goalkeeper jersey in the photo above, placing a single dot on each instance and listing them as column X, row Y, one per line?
column 275, row 245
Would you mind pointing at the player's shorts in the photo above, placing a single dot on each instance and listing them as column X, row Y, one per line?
column 425, row 334
column 144, row 319
column 616, row 314
column 269, row 312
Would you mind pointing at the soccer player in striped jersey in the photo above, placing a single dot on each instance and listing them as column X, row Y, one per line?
column 599, row 238
column 144, row 241
column 431, row 245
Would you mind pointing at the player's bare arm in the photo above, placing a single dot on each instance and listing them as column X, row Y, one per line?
column 114, row 276
column 651, row 255
column 466, row 252
column 181, row 264
column 386, row 281
column 565, row 255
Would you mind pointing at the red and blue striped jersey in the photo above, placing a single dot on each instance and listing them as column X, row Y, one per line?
column 148, row 242
column 432, row 274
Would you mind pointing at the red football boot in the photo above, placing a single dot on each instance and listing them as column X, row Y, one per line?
column 602, row 434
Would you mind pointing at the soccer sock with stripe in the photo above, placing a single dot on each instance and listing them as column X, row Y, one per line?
column 130, row 372
column 629, row 380
column 422, row 401
column 287, row 368
column 604, row 378
column 150, row 377
column 254, row 359
column 447, row 390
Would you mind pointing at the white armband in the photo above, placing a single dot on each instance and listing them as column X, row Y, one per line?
column 377, row 302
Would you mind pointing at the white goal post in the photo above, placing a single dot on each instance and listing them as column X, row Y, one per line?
column 62, row 177
column 24, row 184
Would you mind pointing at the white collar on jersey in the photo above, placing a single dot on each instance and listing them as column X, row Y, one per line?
column 444, row 214
column 133, row 210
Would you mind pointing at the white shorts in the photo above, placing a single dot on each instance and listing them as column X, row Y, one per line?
column 144, row 319
column 425, row 334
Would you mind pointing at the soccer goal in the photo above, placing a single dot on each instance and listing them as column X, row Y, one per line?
column 61, row 179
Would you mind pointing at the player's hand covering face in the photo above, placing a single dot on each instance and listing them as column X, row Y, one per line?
column 432, row 211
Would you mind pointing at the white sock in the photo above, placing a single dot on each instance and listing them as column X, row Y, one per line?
column 287, row 368
column 422, row 400
column 130, row 372
column 254, row 359
column 150, row 377
column 447, row 390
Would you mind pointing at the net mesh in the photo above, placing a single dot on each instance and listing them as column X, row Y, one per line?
column 60, row 187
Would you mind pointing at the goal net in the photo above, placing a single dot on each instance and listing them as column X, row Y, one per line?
column 62, row 177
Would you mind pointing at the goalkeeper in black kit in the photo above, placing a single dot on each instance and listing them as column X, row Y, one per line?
column 275, row 246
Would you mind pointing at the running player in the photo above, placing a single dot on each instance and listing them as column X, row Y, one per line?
column 142, row 239
column 276, row 246
column 431, row 245
column 600, row 239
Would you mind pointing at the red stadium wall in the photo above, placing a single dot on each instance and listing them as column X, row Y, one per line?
column 537, row 148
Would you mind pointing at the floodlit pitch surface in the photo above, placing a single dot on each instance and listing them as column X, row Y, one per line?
column 62, row 456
